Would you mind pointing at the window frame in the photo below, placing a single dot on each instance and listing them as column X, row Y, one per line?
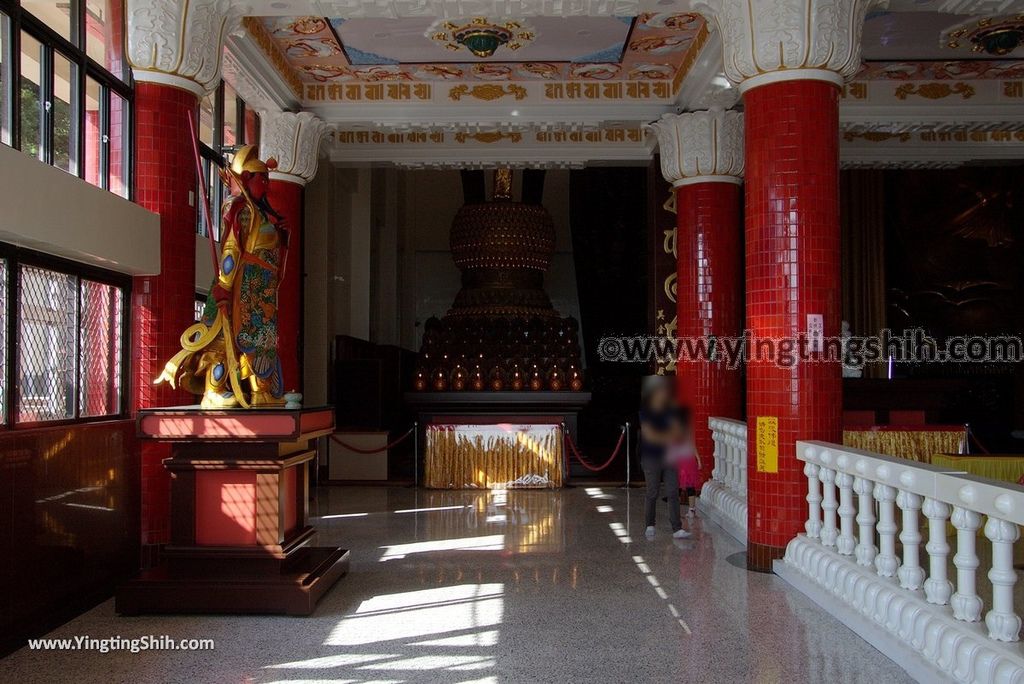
column 216, row 154
column 16, row 257
column 74, row 50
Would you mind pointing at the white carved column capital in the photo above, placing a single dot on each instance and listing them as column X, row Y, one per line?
column 178, row 42
column 294, row 141
column 767, row 41
column 701, row 147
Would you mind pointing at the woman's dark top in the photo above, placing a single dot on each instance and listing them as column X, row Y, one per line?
column 659, row 421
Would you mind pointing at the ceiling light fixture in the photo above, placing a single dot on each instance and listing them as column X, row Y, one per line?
column 996, row 36
column 480, row 35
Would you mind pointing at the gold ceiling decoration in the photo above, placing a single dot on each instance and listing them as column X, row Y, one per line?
column 273, row 52
column 488, row 137
column 487, row 92
column 480, row 35
column 997, row 36
column 935, row 91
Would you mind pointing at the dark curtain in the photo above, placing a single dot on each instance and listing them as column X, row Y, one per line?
column 608, row 219
column 862, row 217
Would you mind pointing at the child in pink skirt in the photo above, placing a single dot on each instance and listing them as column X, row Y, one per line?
column 688, row 465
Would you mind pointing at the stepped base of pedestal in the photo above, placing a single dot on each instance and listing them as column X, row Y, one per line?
column 295, row 590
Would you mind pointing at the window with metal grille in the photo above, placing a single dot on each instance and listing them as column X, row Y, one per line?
column 64, row 340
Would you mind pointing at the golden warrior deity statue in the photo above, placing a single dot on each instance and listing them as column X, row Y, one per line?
column 230, row 356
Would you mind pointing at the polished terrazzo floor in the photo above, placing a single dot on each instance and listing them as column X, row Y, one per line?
column 518, row 586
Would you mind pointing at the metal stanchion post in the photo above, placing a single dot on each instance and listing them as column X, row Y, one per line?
column 629, row 457
column 416, row 454
column 625, row 429
column 566, row 461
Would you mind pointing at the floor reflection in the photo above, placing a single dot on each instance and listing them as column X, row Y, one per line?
column 505, row 587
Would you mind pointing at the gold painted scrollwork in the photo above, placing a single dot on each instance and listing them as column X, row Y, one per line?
column 935, row 91
column 487, row 92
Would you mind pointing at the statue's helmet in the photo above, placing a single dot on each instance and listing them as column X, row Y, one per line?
column 246, row 159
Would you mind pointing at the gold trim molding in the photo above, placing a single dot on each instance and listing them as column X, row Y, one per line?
column 935, row 91
column 487, row 92
column 269, row 47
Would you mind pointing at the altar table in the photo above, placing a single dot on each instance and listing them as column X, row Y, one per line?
column 493, row 456
column 1002, row 467
column 913, row 442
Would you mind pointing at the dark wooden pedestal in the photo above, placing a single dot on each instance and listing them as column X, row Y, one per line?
column 239, row 515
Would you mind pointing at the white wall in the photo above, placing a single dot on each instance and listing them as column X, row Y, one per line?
column 48, row 210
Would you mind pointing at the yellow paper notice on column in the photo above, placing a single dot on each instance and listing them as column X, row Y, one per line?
column 767, row 444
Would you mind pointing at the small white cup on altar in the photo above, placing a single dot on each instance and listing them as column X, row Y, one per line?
column 292, row 400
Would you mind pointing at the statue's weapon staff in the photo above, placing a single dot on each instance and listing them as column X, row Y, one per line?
column 225, row 321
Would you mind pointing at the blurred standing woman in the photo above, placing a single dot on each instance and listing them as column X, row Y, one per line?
column 661, row 428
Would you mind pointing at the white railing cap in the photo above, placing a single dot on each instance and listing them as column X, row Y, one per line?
column 989, row 497
column 731, row 426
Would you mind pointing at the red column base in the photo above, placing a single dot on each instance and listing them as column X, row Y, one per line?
column 760, row 557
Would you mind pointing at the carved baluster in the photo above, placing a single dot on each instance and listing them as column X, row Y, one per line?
column 829, row 506
column 866, row 550
column 1002, row 622
column 966, row 602
column 813, row 524
column 886, row 561
column 743, row 464
column 719, row 455
column 727, row 475
column 846, row 540
column 911, row 573
column 937, row 588
column 736, row 455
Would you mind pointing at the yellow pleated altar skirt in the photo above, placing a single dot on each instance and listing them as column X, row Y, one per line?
column 915, row 444
column 493, row 456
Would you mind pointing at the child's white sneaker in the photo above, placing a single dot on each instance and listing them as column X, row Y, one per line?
column 681, row 534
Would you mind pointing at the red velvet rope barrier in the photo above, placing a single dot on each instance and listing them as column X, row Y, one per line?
column 374, row 451
column 974, row 438
column 576, row 453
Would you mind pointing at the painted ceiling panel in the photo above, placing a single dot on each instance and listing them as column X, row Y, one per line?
column 647, row 47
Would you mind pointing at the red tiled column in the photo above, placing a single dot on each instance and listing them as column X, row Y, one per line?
column 293, row 141
column 285, row 197
column 170, row 77
column 792, row 272
column 789, row 58
column 702, row 156
column 162, row 305
column 709, row 306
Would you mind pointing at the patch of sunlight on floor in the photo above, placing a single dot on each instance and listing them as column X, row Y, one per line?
column 488, row 638
column 492, row 542
column 433, row 508
column 339, row 681
column 454, row 663
column 421, row 613
column 621, row 532
column 340, row 660
column 344, row 515
column 597, row 493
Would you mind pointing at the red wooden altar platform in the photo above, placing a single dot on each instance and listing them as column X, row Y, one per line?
column 239, row 514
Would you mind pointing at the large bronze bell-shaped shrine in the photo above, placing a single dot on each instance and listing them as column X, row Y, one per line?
column 502, row 333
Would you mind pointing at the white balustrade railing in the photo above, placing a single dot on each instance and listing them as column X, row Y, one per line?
column 724, row 497
column 884, row 569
